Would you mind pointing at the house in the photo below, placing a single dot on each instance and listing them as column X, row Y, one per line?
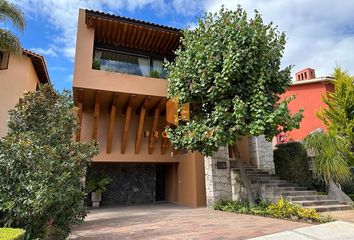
column 120, row 89
column 18, row 73
column 309, row 91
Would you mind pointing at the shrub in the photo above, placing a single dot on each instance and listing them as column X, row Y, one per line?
column 281, row 209
column 41, row 167
column 290, row 160
column 11, row 234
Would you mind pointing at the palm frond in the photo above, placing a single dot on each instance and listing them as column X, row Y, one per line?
column 9, row 11
column 9, row 42
column 331, row 153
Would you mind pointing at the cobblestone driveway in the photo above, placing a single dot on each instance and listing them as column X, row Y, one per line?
column 167, row 221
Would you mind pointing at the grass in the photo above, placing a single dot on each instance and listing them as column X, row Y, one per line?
column 282, row 209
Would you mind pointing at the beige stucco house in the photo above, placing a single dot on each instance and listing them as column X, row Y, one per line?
column 18, row 73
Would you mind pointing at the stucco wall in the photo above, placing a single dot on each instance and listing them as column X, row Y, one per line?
column 86, row 77
column 17, row 78
column 308, row 97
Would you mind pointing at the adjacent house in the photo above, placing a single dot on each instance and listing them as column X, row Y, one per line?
column 309, row 91
column 18, row 73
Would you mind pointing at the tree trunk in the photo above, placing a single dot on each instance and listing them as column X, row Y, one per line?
column 334, row 192
column 244, row 178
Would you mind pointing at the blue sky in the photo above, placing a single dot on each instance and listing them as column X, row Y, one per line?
column 320, row 32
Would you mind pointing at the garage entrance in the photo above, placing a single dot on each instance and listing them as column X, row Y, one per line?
column 134, row 183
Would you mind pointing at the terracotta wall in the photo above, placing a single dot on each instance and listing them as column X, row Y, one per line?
column 17, row 78
column 86, row 77
column 308, row 97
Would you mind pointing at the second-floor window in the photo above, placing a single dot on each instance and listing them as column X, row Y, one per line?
column 134, row 64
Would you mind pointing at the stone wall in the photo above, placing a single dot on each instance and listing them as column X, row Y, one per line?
column 261, row 153
column 131, row 183
column 218, row 180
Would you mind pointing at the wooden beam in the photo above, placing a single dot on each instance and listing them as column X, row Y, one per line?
column 96, row 115
column 160, row 105
column 80, row 98
column 154, row 126
column 128, row 113
column 111, row 123
column 139, row 132
column 165, row 143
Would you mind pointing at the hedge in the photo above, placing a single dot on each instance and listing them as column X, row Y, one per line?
column 11, row 233
column 290, row 160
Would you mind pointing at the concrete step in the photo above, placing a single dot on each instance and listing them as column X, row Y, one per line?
column 329, row 208
column 306, row 198
column 298, row 193
column 285, row 189
column 308, row 203
column 269, row 185
column 268, row 181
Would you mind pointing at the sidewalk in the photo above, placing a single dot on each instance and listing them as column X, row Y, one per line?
column 337, row 230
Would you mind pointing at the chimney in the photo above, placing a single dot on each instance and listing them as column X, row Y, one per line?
column 305, row 74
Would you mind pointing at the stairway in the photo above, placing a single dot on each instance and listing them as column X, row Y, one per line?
column 271, row 187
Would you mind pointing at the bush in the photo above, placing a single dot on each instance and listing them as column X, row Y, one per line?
column 41, row 167
column 281, row 209
column 290, row 160
column 11, row 233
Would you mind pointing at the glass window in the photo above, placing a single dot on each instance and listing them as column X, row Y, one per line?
column 123, row 63
column 127, row 63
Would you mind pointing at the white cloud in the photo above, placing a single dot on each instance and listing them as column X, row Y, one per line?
column 46, row 52
column 320, row 32
column 62, row 15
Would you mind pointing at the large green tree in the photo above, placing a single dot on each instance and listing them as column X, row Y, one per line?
column 41, row 167
column 10, row 12
column 228, row 68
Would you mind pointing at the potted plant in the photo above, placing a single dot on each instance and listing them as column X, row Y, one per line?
column 154, row 74
column 96, row 64
column 97, row 185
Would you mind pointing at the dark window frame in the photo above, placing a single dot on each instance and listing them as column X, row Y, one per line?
column 4, row 61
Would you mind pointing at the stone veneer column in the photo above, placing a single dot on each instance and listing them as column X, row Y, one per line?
column 217, row 181
column 261, row 153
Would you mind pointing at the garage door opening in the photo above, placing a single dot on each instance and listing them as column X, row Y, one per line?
column 135, row 183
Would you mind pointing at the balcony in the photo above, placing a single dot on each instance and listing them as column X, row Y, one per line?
column 128, row 63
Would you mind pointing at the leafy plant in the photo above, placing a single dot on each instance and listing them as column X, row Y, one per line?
column 96, row 64
column 10, row 12
column 154, row 74
column 290, row 160
column 98, row 184
column 41, row 167
column 338, row 116
column 330, row 154
column 11, row 233
column 226, row 70
column 281, row 209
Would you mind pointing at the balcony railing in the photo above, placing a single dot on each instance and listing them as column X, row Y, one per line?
column 121, row 62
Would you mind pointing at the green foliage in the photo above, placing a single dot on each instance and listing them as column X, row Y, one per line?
column 154, row 74
column 228, row 68
column 338, row 116
column 41, row 167
column 281, row 209
column 290, row 160
column 9, row 12
column 96, row 64
column 11, row 234
column 97, row 184
column 330, row 153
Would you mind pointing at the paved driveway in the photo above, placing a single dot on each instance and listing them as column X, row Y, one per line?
column 167, row 221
